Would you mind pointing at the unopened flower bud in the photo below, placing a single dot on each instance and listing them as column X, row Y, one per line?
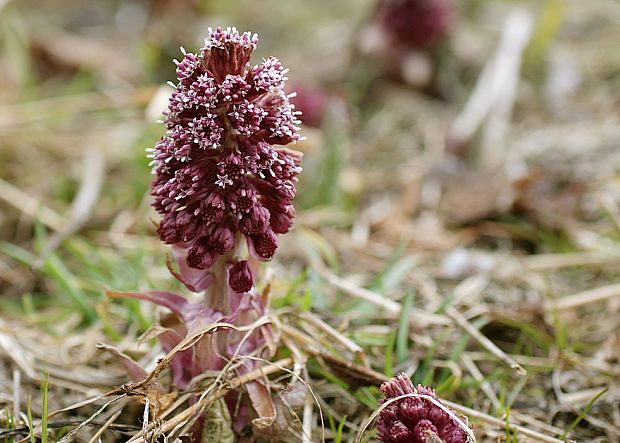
column 200, row 255
column 240, row 278
column 264, row 245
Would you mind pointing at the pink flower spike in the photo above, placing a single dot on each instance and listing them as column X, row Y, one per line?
column 219, row 175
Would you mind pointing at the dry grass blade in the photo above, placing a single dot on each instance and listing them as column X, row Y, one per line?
column 484, row 341
column 23, row 359
column 211, row 396
column 67, row 438
column 420, row 317
column 308, row 420
column 355, row 375
column 542, row 262
column 31, row 206
column 495, row 84
column 83, row 204
column 192, row 339
column 516, row 34
column 80, row 404
column 17, row 378
column 584, row 298
column 484, row 384
column 501, row 423
column 106, row 425
column 344, row 341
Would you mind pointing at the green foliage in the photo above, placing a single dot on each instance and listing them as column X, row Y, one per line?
column 44, row 413
column 325, row 171
column 14, row 41
column 388, row 363
column 549, row 22
column 10, row 423
column 395, row 271
column 30, row 422
column 338, row 436
column 402, row 340
column 337, row 430
column 509, row 432
column 298, row 294
column 583, row 414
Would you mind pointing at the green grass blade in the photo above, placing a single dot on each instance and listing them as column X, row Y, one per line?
column 332, row 423
column 402, row 340
column 30, row 423
column 395, row 271
column 10, row 423
column 583, row 414
column 338, row 437
column 65, row 279
column 388, row 367
column 57, row 271
column 16, row 253
column 44, row 417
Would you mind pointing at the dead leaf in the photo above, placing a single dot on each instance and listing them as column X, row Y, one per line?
column 549, row 199
column 159, row 400
column 217, row 424
column 287, row 425
column 262, row 403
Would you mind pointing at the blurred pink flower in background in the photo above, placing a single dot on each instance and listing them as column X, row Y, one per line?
column 416, row 24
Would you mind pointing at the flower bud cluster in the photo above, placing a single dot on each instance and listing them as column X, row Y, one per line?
column 416, row 419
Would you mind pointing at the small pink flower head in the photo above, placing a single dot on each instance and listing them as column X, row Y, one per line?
column 219, row 172
column 416, row 24
column 412, row 419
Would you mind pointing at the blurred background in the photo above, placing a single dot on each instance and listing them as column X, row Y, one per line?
column 460, row 157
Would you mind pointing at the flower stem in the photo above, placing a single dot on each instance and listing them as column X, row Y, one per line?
column 216, row 296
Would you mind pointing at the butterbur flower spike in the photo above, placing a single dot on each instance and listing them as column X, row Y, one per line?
column 415, row 415
column 224, row 185
column 220, row 175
